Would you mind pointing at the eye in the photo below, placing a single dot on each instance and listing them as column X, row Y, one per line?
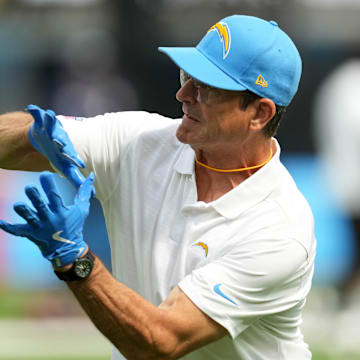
column 200, row 85
column 184, row 77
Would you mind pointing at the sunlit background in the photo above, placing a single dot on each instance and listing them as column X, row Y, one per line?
column 87, row 57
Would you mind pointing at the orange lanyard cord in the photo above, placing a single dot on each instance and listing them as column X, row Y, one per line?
column 235, row 170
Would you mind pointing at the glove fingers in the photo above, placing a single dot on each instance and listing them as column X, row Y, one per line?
column 27, row 213
column 17, row 229
column 58, row 143
column 50, row 122
column 37, row 113
column 51, row 190
column 61, row 139
column 72, row 156
column 54, row 129
column 85, row 192
column 52, row 114
column 37, row 200
column 74, row 175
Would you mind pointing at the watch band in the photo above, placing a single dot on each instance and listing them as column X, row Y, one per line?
column 80, row 270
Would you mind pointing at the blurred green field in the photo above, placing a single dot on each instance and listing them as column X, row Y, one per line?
column 338, row 356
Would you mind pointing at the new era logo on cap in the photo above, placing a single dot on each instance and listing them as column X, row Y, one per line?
column 261, row 81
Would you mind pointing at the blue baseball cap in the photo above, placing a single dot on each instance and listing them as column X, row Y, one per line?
column 244, row 53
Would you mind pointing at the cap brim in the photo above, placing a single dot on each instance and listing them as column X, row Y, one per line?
column 192, row 61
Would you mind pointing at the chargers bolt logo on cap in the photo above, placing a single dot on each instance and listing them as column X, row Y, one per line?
column 224, row 34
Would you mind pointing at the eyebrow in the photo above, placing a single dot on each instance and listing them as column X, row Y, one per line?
column 197, row 82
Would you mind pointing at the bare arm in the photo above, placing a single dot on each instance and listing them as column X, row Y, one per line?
column 136, row 327
column 16, row 152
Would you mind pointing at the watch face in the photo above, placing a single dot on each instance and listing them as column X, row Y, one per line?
column 83, row 268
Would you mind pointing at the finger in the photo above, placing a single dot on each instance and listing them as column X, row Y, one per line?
column 37, row 113
column 61, row 139
column 72, row 156
column 53, row 115
column 37, row 200
column 47, row 181
column 50, row 122
column 27, row 213
column 85, row 191
column 58, row 142
column 17, row 229
column 74, row 175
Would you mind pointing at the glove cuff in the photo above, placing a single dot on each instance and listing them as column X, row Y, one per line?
column 63, row 257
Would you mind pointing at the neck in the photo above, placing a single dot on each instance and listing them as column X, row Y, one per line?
column 213, row 184
column 246, row 158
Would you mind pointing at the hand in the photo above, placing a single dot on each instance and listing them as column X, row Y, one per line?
column 48, row 136
column 55, row 228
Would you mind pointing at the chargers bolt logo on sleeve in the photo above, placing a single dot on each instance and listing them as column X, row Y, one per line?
column 204, row 246
column 224, row 34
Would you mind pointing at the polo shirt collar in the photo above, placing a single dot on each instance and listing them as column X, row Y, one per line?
column 249, row 193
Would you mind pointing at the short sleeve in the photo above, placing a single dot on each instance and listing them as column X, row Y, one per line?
column 102, row 142
column 256, row 278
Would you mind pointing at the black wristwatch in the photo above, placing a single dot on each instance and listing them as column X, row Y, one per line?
column 80, row 270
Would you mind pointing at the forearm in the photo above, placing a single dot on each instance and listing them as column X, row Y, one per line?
column 16, row 151
column 131, row 323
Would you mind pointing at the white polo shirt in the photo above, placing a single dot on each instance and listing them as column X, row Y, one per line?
column 246, row 259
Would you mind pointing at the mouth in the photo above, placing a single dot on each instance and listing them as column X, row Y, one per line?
column 191, row 117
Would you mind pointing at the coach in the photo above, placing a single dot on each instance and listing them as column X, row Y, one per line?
column 212, row 243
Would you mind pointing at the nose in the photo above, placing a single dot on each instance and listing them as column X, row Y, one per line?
column 187, row 93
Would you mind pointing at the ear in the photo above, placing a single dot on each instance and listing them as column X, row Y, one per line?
column 265, row 111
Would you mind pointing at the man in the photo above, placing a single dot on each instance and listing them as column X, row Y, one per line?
column 338, row 143
column 212, row 244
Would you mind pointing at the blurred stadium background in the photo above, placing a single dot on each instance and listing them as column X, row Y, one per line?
column 87, row 57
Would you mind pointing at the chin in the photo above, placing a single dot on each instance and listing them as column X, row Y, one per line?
column 187, row 137
column 182, row 135
column 182, row 138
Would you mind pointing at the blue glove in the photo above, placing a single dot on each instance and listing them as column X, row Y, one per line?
column 48, row 136
column 55, row 228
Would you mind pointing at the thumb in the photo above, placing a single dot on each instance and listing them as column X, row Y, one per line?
column 86, row 191
column 73, row 174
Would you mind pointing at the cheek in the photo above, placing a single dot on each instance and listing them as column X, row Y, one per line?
column 213, row 124
column 232, row 124
column 203, row 96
